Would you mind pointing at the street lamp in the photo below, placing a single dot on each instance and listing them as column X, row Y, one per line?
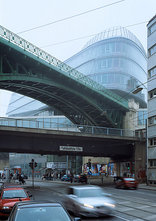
column 137, row 90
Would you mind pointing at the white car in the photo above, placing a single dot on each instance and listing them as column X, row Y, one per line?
column 89, row 201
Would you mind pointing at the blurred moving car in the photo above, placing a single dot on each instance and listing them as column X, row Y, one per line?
column 89, row 201
column 39, row 211
column 9, row 195
column 125, row 182
column 66, row 178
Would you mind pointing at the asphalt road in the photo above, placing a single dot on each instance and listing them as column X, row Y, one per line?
column 133, row 205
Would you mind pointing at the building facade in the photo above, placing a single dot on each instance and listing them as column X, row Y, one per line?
column 151, row 134
column 115, row 59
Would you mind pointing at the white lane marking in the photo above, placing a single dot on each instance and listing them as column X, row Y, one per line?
column 121, row 218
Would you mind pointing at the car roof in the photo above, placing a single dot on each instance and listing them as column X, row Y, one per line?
column 85, row 187
column 28, row 204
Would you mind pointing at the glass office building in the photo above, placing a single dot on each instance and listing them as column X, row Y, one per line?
column 116, row 59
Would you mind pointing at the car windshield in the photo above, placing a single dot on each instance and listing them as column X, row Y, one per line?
column 7, row 194
column 42, row 214
column 89, row 192
column 129, row 179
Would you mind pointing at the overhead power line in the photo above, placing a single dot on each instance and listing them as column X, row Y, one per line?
column 87, row 36
column 70, row 17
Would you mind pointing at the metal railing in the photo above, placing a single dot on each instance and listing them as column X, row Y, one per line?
column 85, row 129
column 67, row 70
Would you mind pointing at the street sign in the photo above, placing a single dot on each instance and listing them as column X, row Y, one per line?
column 71, row 148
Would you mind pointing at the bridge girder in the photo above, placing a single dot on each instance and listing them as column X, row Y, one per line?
column 28, row 75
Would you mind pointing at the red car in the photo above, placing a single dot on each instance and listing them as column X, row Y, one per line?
column 126, row 183
column 9, row 196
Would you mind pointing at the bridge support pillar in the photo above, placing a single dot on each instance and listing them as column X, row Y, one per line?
column 140, row 161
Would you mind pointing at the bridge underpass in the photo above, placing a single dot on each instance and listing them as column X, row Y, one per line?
column 30, row 71
column 42, row 141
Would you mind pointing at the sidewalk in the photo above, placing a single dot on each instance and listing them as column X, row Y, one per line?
column 146, row 187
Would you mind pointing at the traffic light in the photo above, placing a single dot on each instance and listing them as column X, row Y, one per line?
column 32, row 164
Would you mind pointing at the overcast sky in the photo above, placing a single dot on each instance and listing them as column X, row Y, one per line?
column 19, row 16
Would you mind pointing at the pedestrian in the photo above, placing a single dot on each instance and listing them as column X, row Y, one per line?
column 71, row 177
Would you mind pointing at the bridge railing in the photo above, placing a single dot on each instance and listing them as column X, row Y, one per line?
column 67, row 70
column 85, row 129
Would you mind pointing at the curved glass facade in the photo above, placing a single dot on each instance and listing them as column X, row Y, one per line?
column 117, row 62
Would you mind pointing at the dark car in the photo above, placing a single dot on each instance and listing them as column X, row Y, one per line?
column 76, row 178
column 39, row 211
column 83, row 178
column 66, row 178
column 125, row 182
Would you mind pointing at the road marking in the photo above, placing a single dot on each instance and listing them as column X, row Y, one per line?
column 121, row 218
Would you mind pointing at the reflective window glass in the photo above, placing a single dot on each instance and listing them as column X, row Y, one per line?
column 152, row 28
column 152, row 50
column 152, row 72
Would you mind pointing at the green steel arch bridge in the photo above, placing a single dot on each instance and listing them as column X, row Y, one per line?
column 30, row 71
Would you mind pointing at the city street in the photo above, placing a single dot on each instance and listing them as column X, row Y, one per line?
column 133, row 205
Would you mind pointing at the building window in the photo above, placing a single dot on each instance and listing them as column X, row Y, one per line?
column 152, row 50
column 152, row 72
column 142, row 116
column 152, row 163
column 152, row 94
column 152, row 29
column 152, row 141
column 152, row 120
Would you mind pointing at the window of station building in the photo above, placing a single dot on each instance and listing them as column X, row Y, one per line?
column 152, row 50
column 152, row 72
column 152, row 29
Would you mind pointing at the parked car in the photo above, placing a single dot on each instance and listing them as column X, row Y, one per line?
column 125, row 182
column 66, row 178
column 9, row 195
column 76, row 178
column 89, row 201
column 39, row 211
column 83, row 178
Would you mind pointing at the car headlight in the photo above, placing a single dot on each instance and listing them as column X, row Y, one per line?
column 5, row 207
column 110, row 205
column 89, row 206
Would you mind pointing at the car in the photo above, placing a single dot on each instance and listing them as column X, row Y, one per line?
column 83, row 178
column 89, row 201
column 39, row 211
column 125, row 182
column 76, row 178
column 66, row 178
column 9, row 195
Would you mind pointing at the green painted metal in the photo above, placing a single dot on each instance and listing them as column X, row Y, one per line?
column 28, row 70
